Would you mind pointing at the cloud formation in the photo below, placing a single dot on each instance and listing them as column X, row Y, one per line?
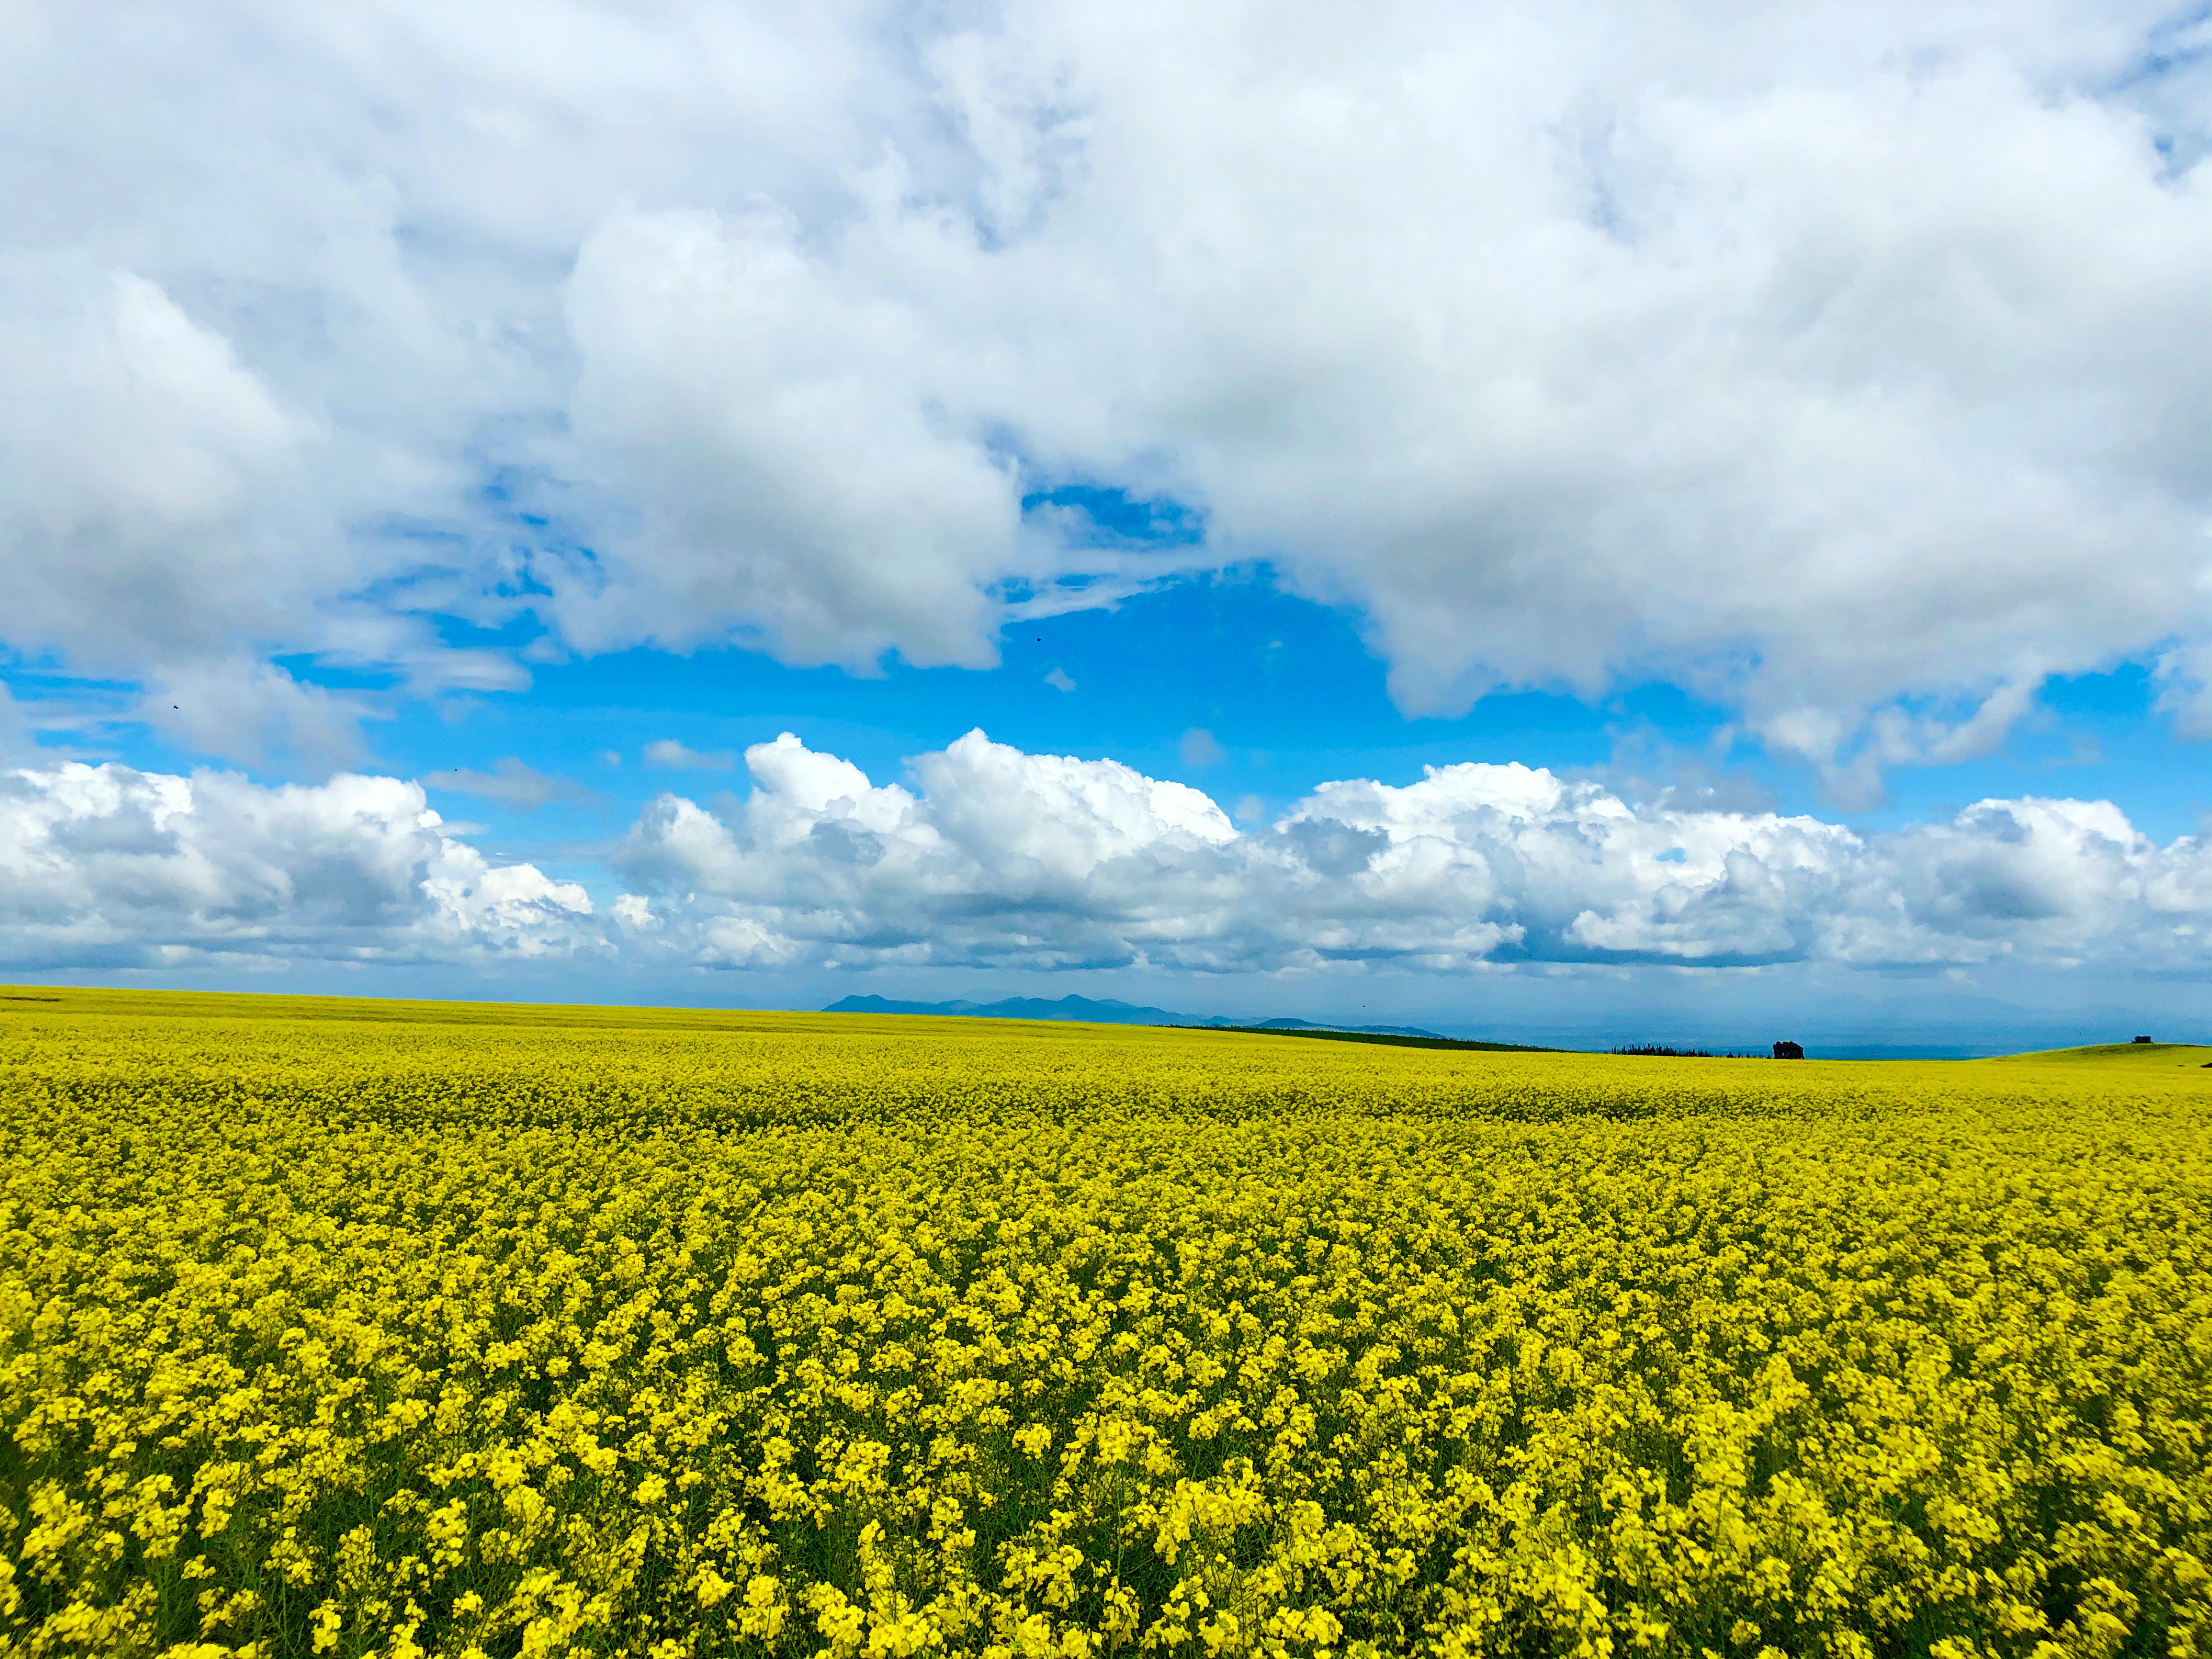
column 1003, row 858
column 102, row 866
column 998, row 858
column 1846, row 363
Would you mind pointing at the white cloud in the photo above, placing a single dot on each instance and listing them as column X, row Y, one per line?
column 1009, row 859
column 235, row 705
column 998, row 858
column 158, row 520
column 155, row 483
column 103, row 867
column 782, row 464
column 2185, row 676
column 1787, row 356
column 1059, row 680
column 1006, row 857
column 1849, row 363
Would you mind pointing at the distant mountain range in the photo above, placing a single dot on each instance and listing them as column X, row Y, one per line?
column 1101, row 1012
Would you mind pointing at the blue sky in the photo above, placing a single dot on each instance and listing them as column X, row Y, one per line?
column 1284, row 687
column 1629, row 525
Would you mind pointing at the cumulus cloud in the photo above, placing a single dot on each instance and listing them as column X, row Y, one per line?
column 995, row 858
column 1847, row 363
column 1005, row 858
column 102, row 866
column 999, row 860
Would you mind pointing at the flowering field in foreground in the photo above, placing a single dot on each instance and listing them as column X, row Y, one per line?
column 349, row 1327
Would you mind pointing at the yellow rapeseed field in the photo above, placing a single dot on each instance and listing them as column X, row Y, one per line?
column 350, row 1328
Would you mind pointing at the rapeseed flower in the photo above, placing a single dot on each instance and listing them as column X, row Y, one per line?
column 344, row 1334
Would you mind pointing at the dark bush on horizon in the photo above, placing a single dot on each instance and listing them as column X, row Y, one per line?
column 1661, row 1051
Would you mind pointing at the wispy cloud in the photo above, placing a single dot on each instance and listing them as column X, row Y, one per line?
column 669, row 754
column 512, row 783
column 1200, row 750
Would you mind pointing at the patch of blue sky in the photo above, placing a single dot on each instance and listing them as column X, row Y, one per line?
column 2156, row 76
column 2091, row 737
column 1116, row 517
column 1286, row 691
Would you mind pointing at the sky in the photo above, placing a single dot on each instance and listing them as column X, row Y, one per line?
column 1581, row 523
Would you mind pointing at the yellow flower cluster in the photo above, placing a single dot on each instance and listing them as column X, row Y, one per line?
column 352, row 1329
